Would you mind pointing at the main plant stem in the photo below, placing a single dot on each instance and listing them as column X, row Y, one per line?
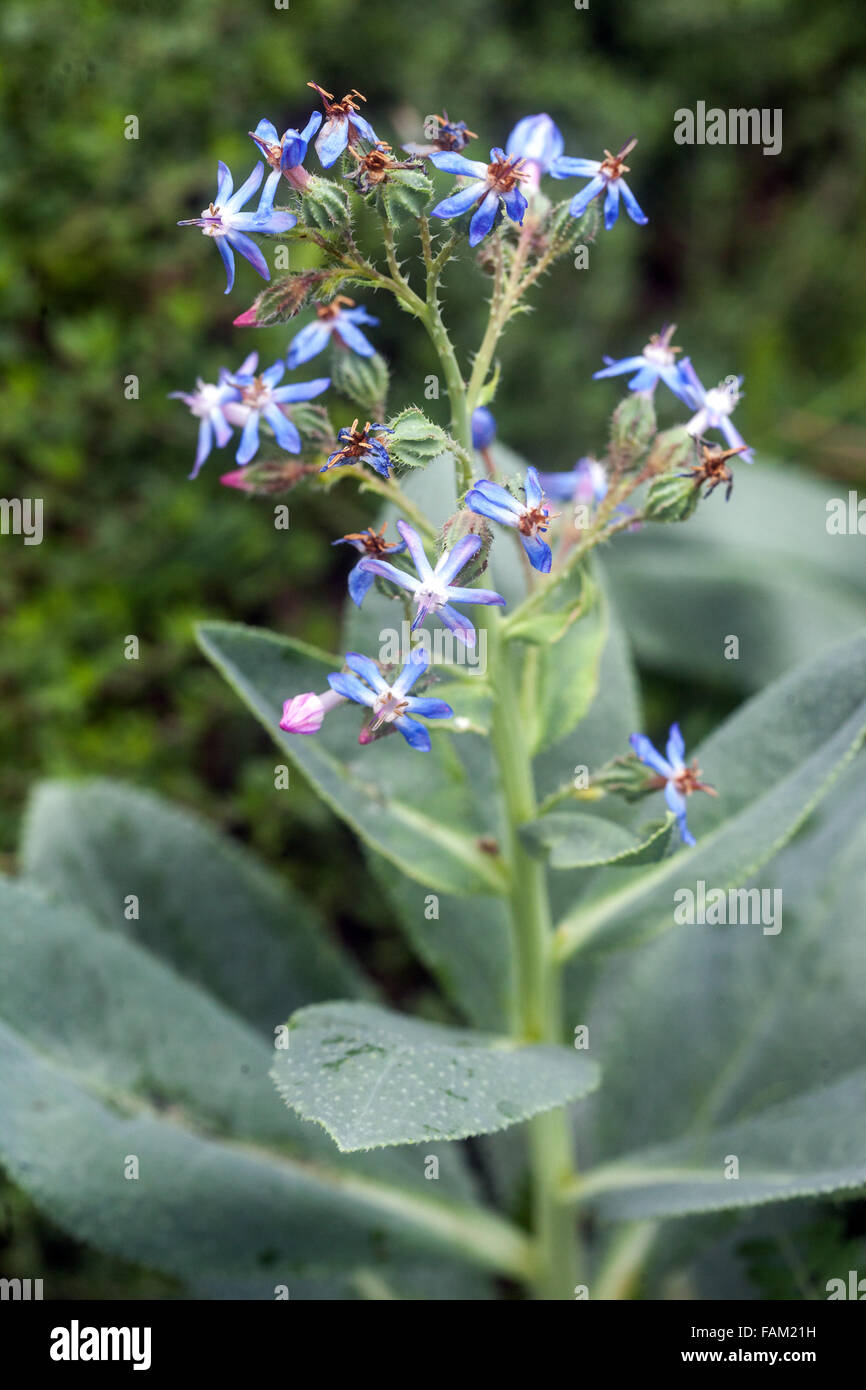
column 537, row 1010
column 538, row 1003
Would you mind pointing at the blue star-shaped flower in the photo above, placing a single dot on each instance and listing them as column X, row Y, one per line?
column 605, row 176
column 713, row 408
column 391, row 704
column 432, row 590
column 586, row 483
column 491, row 184
column 656, row 362
column 261, row 398
column 678, row 780
column 224, row 221
column 538, row 141
column 286, row 153
column 359, row 446
column 332, row 318
column 531, row 518
column 344, row 125
column 208, row 403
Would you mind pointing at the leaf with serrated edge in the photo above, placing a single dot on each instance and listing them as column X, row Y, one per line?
column 372, row 1077
column 575, row 839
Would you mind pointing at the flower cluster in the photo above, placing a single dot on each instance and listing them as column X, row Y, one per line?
column 496, row 200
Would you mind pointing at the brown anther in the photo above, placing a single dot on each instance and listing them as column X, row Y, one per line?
column 332, row 308
column 338, row 108
column 687, row 780
column 373, row 541
column 613, row 165
column 443, row 121
column 503, row 174
column 712, row 467
column 536, row 519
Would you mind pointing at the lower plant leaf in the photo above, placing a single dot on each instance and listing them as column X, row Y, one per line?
column 372, row 1077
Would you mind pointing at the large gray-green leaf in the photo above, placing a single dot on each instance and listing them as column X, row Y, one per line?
column 373, row 1077
column 218, row 915
column 199, row 1208
column 576, row 839
column 129, row 1026
column 106, row 1049
column 775, row 1066
column 762, row 568
column 772, row 762
column 814, row 1144
column 416, row 813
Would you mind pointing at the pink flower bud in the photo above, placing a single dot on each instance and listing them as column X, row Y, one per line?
column 303, row 714
column 236, row 479
column 247, row 319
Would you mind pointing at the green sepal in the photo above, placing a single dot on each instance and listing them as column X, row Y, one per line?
column 416, row 441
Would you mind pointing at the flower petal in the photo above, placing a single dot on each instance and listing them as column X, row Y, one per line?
column 285, row 432
column 228, row 261
column 539, row 553
column 483, row 220
column 352, row 336
column 302, row 390
column 249, row 438
column 250, row 252
column 331, row 140
column 366, row 667
column 581, row 201
column 451, row 562
column 632, row 206
column 429, row 708
column 308, row 343
column 386, row 571
column 414, row 733
column 461, row 201
column 415, row 546
column 650, row 755
column 351, row 688
column 676, row 747
column 246, row 190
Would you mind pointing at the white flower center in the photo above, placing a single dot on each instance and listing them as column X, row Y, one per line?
column 388, row 707
column 721, row 400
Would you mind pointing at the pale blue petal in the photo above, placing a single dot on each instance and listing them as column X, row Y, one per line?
column 632, row 206
column 332, row 140
column 611, row 204
column 228, row 261
column 461, row 201
column 250, row 252
column 249, row 439
column 676, row 747
column 308, row 343
column 246, row 190
column 351, row 688
column 581, row 201
column 352, row 336
column 415, row 547
column 449, row 565
column 366, row 667
column 650, row 755
column 285, row 432
column 452, row 163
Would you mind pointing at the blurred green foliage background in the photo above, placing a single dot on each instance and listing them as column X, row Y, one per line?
column 760, row 260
